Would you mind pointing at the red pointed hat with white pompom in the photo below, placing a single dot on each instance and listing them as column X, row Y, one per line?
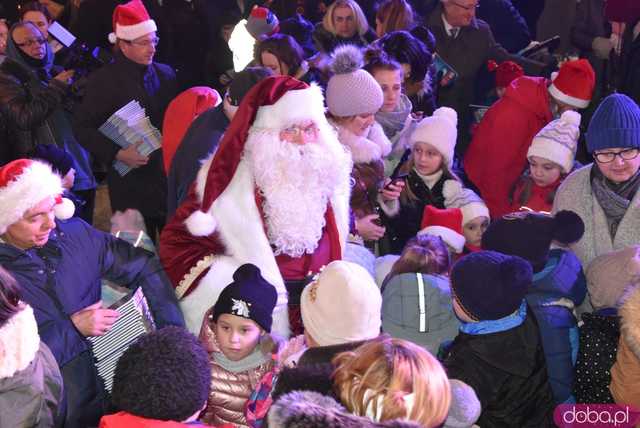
column 24, row 183
column 130, row 21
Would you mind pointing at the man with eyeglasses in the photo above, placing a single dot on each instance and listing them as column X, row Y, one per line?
column 605, row 193
column 133, row 75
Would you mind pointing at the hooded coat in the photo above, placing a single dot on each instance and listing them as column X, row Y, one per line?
column 36, row 109
column 498, row 150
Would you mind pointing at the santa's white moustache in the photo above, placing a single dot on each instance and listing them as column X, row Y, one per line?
column 296, row 182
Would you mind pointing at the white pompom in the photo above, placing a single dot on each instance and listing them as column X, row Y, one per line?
column 112, row 38
column 64, row 209
column 448, row 113
column 200, row 223
column 451, row 188
column 554, row 75
column 572, row 117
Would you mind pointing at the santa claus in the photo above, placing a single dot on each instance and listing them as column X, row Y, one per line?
column 274, row 194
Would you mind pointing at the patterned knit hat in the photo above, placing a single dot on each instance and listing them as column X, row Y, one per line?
column 574, row 83
column 351, row 90
column 262, row 23
column 24, row 183
column 445, row 223
column 558, row 141
column 616, row 123
column 439, row 130
column 489, row 285
column 130, row 21
column 471, row 205
column 249, row 296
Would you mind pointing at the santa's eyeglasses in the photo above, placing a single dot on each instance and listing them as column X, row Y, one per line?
column 310, row 131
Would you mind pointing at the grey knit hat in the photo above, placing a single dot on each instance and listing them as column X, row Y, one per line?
column 351, row 90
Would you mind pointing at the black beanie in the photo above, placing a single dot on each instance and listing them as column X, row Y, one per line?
column 489, row 285
column 163, row 375
column 529, row 234
column 61, row 161
column 249, row 296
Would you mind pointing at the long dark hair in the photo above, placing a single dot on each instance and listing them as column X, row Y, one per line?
column 9, row 296
column 405, row 48
column 283, row 47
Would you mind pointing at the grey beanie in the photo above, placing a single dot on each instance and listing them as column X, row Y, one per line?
column 351, row 90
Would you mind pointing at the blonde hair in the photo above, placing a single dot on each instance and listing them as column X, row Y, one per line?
column 361, row 21
column 389, row 369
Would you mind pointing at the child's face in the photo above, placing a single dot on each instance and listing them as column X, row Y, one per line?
column 68, row 180
column 237, row 337
column 391, row 83
column 474, row 229
column 426, row 159
column 360, row 124
column 543, row 171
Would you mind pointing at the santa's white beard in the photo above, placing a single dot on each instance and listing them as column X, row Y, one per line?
column 297, row 182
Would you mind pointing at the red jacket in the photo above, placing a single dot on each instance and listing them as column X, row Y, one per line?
column 127, row 420
column 498, row 152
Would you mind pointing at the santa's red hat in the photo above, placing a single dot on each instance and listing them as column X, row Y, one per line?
column 130, row 21
column 273, row 103
column 506, row 72
column 574, row 83
column 24, row 183
column 180, row 113
column 445, row 223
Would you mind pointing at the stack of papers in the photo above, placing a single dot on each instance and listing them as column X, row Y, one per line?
column 129, row 125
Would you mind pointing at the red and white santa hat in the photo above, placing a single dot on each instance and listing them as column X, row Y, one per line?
column 24, row 183
column 130, row 21
column 445, row 223
column 574, row 83
column 274, row 103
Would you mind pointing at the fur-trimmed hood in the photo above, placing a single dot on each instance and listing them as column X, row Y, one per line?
column 375, row 146
column 630, row 323
column 306, row 409
column 19, row 342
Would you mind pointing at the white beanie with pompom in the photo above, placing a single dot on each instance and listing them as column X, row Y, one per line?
column 439, row 131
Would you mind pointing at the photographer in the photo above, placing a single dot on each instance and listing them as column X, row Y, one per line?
column 33, row 106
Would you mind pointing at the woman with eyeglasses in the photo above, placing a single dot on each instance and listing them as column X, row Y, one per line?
column 605, row 193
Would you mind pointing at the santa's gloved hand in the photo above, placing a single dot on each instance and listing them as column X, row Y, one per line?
column 602, row 47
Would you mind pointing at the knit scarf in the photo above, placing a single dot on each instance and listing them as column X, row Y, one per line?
column 393, row 121
column 251, row 361
column 614, row 198
column 496, row 326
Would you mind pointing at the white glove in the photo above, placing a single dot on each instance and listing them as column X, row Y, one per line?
column 602, row 47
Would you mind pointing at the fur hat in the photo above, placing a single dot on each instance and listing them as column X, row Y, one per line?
column 558, row 141
column 341, row 305
column 351, row 90
column 439, row 130
column 574, row 83
column 615, row 123
column 445, row 223
column 529, row 234
column 489, row 285
column 608, row 275
column 163, row 375
column 471, row 205
column 130, row 21
column 24, row 183
column 249, row 296
column 273, row 103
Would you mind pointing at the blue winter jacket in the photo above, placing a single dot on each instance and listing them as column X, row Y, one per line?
column 64, row 275
column 558, row 287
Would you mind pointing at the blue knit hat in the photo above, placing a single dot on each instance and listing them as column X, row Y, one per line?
column 616, row 123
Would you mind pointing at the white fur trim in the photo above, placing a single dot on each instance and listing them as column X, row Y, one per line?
column 375, row 146
column 200, row 223
column 473, row 210
column 450, row 237
column 567, row 99
column 112, row 38
column 293, row 107
column 64, row 210
column 19, row 342
column 36, row 183
column 132, row 32
column 552, row 151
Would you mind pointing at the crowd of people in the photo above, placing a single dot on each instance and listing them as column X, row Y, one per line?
column 362, row 213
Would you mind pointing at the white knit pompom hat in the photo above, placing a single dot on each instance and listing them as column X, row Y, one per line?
column 439, row 130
